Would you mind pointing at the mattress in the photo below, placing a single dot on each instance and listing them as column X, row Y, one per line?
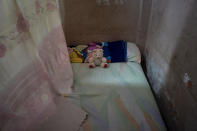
column 118, row 98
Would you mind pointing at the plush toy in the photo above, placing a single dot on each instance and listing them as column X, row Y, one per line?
column 89, row 50
column 93, row 46
column 75, row 55
column 97, row 59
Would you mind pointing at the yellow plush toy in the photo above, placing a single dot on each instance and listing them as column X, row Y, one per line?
column 75, row 56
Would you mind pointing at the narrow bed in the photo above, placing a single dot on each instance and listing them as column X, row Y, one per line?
column 117, row 98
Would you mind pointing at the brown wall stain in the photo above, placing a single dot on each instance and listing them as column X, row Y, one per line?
column 170, row 54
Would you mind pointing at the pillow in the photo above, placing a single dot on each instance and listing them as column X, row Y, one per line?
column 118, row 51
column 133, row 53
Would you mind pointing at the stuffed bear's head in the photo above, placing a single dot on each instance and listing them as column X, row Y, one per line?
column 97, row 53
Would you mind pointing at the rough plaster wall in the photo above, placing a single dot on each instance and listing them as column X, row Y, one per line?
column 170, row 53
column 143, row 24
column 85, row 21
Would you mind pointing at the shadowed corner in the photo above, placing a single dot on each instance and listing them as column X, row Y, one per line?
column 174, row 84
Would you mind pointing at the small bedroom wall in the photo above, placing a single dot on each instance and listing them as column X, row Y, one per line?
column 165, row 31
column 172, row 61
column 86, row 21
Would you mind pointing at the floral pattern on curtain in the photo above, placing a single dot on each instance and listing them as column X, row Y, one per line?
column 34, row 62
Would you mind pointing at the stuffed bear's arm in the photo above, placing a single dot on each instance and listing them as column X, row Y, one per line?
column 104, row 60
column 91, row 60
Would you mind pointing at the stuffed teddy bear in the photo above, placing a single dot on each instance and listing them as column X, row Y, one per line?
column 97, row 59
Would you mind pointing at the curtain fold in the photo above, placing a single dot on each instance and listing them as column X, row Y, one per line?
column 34, row 62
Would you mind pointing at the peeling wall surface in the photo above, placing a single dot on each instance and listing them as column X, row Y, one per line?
column 85, row 21
column 172, row 61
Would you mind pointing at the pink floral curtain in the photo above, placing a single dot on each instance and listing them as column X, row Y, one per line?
column 34, row 62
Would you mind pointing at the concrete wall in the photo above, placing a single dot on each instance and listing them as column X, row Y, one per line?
column 143, row 23
column 172, row 61
column 86, row 21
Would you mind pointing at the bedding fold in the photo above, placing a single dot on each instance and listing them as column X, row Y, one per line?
column 118, row 98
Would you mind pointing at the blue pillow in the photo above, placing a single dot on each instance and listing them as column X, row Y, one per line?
column 118, row 51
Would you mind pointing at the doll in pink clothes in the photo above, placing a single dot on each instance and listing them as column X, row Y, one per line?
column 93, row 46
